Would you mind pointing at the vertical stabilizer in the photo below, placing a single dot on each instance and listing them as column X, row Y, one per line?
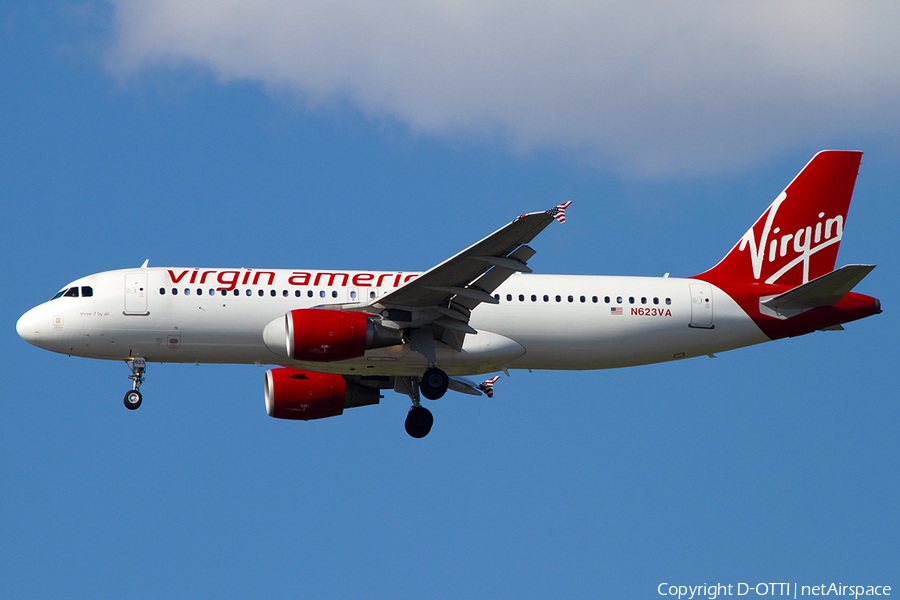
column 797, row 238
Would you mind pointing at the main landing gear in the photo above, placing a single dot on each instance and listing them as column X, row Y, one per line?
column 432, row 385
column 419, row 421
column 133, row 398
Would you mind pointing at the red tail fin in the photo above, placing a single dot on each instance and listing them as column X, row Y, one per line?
column 797, row 238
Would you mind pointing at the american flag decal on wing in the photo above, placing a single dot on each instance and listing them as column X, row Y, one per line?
column 488, row 386
column 559, row 212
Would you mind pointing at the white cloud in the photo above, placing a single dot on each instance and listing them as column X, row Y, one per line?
column 647, row 87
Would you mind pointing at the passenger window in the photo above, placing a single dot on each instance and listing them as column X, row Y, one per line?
column 352, row 294
column 668, row 301
column 272, row 293
column 371, row 294
column 334, row 294
column 249, row 292
column 309, row 293
column 497, row 297
column 509, row 297
column 87, row 291
column 260, row 293
column 237, row 292
column 619, row 299
column 174, row 291
column 571, row 299
column 212, row 292
column 224, row 292
column 631, row 300
column 162, row 292
column 284, row 293
column 296, row 293
column 521, row 297
column 656, row 301
column 533, row 298
column 582, row 299
column 559, row 298
column 71, row 293
column 643, row 300
column 606, row 299
column 187, row 291
column 546, row 298
column 594, row 299
column 322, row 294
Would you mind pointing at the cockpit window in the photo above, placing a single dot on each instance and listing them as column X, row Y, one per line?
column 87, row 291
column 72, row 292
column 59, row 293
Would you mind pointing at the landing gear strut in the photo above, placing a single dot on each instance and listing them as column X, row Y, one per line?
column 419, row 419
column 133, row 398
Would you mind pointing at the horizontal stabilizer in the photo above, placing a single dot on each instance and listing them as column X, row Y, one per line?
column 826, row 290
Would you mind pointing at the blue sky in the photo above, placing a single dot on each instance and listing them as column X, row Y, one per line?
column 128, row 132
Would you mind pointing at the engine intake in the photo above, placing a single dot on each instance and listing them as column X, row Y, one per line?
column 303, row 395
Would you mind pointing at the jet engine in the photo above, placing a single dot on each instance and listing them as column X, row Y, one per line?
column 303, row 395
column 314, row 334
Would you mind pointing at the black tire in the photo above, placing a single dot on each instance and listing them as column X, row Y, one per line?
column 419, row 421
column 133, row 399
column 434, row 383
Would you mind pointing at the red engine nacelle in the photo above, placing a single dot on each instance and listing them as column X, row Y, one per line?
column 314, row 334
column 302, row 395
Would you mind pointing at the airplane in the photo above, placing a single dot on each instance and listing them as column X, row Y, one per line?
column 339, row 338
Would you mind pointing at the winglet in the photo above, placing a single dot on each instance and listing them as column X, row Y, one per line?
column 558, row 212
column 488, row 386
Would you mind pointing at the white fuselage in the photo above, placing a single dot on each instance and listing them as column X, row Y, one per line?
column 541, row 321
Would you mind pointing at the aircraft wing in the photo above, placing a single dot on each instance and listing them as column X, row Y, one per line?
column 445, row 295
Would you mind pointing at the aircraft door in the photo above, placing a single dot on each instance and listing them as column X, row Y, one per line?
column 701, row 305
column 136, row 293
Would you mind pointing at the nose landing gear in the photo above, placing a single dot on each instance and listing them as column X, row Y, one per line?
column 133, row 397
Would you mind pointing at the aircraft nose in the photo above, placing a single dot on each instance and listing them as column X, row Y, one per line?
column 28, row 327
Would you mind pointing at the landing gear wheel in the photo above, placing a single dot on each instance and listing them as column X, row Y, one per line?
column 434, row 383
column 133, row 399
column 419, row 421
